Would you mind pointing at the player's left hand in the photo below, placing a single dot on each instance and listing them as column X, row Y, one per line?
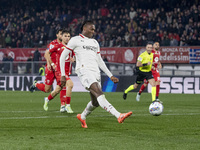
column 63, row 81
column 114, row 79
column 72, row 59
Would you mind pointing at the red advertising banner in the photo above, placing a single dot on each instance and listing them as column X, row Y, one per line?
column 175, row 54
column 21, row 54
column 120, row 54
column 113, row 54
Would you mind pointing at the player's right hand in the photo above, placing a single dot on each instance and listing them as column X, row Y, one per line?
column 63, row 81
column 149, row 63
column 114, row 79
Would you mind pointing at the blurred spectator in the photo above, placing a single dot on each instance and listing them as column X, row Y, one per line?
column 42, row 70
column 2, row 41
column 36, row 57
column 28, row 65
column 7, row 63
column 132, row 27
column 132, row 13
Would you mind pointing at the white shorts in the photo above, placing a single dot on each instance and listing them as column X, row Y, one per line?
column 87, row 77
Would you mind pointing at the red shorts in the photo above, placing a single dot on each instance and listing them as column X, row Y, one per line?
column 49, row 76
column 156, row 76
column 58, row 77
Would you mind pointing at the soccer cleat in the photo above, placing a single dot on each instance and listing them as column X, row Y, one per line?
column 124, row 96
column 83, row 122
column 123, row 116
column 157, row 100
column 69, row 109
column 138, row 97
column 62, row 109
column 46, row 101
column 32, row 87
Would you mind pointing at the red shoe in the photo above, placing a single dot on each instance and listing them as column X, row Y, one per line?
column 123, row 116
column 83, row 122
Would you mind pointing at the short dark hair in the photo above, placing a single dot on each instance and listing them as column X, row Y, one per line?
column 149, row 43
column 65, row 31
column 86, row 23
column 59, row 30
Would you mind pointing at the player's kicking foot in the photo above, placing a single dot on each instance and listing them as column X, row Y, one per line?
column 62, row 109
column 138, row 97
column 124, row 96
column 69, row 109
column 83, row 122
column 157, row 100
column 32, row 87
column 123, row 116
column 46, row 101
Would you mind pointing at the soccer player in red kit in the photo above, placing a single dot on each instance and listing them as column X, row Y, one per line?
column 65, row 96
column 49, row 68
column 155, row 72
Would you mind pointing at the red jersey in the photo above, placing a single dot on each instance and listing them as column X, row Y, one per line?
column 156, row 58
column 53, row 53
column 58, row 49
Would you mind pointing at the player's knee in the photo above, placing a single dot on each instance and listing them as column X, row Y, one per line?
column 95, row 103
column 135, row 86
column 47, row 90
column 157, row 82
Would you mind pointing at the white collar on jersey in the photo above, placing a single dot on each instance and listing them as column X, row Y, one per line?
column 84, row 37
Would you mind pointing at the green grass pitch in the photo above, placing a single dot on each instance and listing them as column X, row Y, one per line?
column 25, row 126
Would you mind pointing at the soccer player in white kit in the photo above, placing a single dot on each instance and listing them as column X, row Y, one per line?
column 88, row 62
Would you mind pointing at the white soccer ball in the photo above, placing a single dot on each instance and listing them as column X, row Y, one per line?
column 156, row 108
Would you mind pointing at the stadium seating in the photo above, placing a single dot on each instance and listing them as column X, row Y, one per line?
column 168, row 70
column 197, row 70
column 184, row 70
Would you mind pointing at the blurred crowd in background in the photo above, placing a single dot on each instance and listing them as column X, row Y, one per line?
column 120, row 23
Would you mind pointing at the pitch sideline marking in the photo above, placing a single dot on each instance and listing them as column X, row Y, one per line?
column 44, row 117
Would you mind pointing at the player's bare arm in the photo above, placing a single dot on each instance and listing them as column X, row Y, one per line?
column 160, row 65
column 63, row 56
column 47, row 56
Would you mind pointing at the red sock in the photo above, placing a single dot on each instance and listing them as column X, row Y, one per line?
column 50, row 97
column 142, row 89
column 63, row 96
column 41, row 86
column 68, row 100
column 157, row 90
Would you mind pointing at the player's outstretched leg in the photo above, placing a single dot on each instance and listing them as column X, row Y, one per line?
column 46, row 101
column 68, row 96
column 130, row 88
column 82, row 117
column 83, row 122
column 32, row 87
column 109, row 108
column 138, row 97
column 123, row 116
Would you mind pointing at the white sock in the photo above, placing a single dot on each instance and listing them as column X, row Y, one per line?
column 89, row 108
column 107, row 106
column 68, row 105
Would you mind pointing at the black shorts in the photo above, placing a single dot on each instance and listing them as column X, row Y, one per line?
column 143, row 75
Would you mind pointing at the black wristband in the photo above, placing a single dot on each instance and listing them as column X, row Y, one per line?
column 144, row 64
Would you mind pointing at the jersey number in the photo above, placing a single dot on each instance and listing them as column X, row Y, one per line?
column 156, row 59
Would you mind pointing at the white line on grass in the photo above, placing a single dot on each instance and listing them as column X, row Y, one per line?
column 44, row 117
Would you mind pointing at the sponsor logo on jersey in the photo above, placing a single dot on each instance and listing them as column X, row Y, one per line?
column 92, row 48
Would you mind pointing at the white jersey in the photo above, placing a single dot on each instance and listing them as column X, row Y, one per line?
column 86, row 51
